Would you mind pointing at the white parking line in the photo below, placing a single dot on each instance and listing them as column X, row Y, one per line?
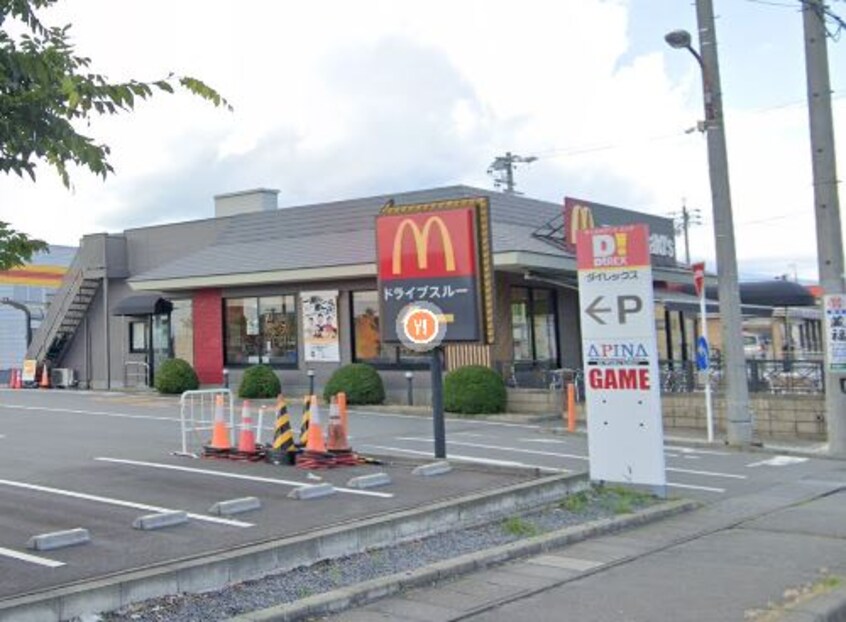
column 542, row 441
column 692, row 487
column 707, row 473
column 32, row 559
column 120, row 502
column 251, row 478
column 527, row 426
column 93, row 413
column 690, row 450
column 428, row 454
column 536, row 452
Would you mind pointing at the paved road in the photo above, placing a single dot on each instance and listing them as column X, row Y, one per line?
column 706, row 473
column 98, row 460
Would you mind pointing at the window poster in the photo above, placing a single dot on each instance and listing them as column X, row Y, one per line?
column 320, row 326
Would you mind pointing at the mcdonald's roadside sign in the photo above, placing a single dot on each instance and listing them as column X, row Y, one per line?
column 438, row 254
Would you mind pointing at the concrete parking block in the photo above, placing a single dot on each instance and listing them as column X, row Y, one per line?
column 58, row 539
column 160, row 520
column 312, row 492
column 369, row 481
column 235, row 506
column 434, row 468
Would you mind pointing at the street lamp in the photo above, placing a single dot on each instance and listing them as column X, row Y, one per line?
column 738, row 419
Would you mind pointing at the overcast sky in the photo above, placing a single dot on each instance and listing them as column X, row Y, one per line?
column 336, row 99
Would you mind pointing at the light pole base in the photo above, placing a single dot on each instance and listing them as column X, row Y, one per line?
column 739, row 433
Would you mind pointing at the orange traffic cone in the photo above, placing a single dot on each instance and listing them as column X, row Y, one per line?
column 247, row 439
column 342, row 411
column 337, row 434
column 315, row 438
column 13, row 378
column 45, row 377
column 220, row 433
column 18, row 379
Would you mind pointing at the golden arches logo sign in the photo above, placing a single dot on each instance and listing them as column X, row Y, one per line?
column 577, row 217
column 436, row 254
column 421, row 244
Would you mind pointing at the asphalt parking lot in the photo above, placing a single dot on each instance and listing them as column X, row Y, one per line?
column 98, row 461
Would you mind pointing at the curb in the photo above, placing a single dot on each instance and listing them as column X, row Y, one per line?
column 369, row 591
column 830, row 607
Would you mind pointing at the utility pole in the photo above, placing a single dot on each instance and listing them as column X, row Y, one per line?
column 683, row 221
column 738, row 417
column 502, row 168
column 826, row 201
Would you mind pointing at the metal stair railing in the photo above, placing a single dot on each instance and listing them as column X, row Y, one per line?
column 78, row 288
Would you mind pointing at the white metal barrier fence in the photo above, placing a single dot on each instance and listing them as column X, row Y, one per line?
column 197, row 418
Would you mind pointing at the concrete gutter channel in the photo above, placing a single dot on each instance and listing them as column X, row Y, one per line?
column 217, row 570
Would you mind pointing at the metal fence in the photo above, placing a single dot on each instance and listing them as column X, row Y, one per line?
column 764, row 376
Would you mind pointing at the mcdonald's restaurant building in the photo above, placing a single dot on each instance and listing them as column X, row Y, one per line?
column 296, row 288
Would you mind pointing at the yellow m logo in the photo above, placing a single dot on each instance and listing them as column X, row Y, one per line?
column 581, row 218
column 421, row 244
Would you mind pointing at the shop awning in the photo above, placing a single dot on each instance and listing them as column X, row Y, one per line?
column 142, row 304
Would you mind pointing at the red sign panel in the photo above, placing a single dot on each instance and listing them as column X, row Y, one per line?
column 426, row 245
column 698, row 277
column 613, row 247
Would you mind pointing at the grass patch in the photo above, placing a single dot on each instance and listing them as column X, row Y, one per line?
column 576, row 502
column 516, row 526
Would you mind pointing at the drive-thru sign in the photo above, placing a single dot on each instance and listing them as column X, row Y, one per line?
column 619, row 348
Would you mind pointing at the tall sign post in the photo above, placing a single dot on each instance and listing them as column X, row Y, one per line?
column 435, row 272
column 619, row 348
column 703, row 350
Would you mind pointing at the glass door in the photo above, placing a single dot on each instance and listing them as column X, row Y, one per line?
column 159, row 342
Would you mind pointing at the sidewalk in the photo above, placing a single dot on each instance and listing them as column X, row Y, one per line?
column 731, row 560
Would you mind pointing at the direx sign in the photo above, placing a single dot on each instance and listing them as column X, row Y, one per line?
column 437, row 254
column 619, row 247
column 580, row 215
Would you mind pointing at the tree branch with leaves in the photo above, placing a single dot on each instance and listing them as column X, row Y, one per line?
column 47, row 92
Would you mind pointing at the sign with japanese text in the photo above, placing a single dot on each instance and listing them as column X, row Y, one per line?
column 699, row 277
column 835, row 332
column 320, row 326
column 437, row 255
column 581, row 215
column 619, row 348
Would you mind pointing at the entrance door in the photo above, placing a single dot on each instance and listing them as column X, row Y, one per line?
column 159, row 342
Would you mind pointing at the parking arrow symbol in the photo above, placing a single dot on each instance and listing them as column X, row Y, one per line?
column 593, row 310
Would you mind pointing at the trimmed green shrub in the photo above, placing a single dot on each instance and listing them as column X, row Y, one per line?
column 474, row 390
column 259, row 381
column 175, row 376
column 361, row 382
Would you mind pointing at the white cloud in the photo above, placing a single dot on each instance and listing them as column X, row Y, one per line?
column 337, row 99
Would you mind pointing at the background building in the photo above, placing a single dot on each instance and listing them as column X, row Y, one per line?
column 32, row 285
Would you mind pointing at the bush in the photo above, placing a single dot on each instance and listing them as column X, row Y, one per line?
column 176, row 376
column 474, row 390
column 259, row 381
column 361, row 382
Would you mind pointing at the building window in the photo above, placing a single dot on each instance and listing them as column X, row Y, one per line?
column 182, row 327
column 534, row 320
column 367, row 342
column 137, row 336
column 261, row 330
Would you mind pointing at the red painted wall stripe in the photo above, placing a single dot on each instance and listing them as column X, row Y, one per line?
column 208, row 336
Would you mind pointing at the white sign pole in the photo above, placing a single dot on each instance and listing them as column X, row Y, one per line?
column 620, row 351
column 709, row 409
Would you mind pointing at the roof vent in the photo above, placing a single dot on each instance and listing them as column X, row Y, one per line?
column 245, row 202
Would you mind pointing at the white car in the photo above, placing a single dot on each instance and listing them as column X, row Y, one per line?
column 754, row 346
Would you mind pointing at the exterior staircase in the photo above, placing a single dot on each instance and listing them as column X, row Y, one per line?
column 69, row 305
